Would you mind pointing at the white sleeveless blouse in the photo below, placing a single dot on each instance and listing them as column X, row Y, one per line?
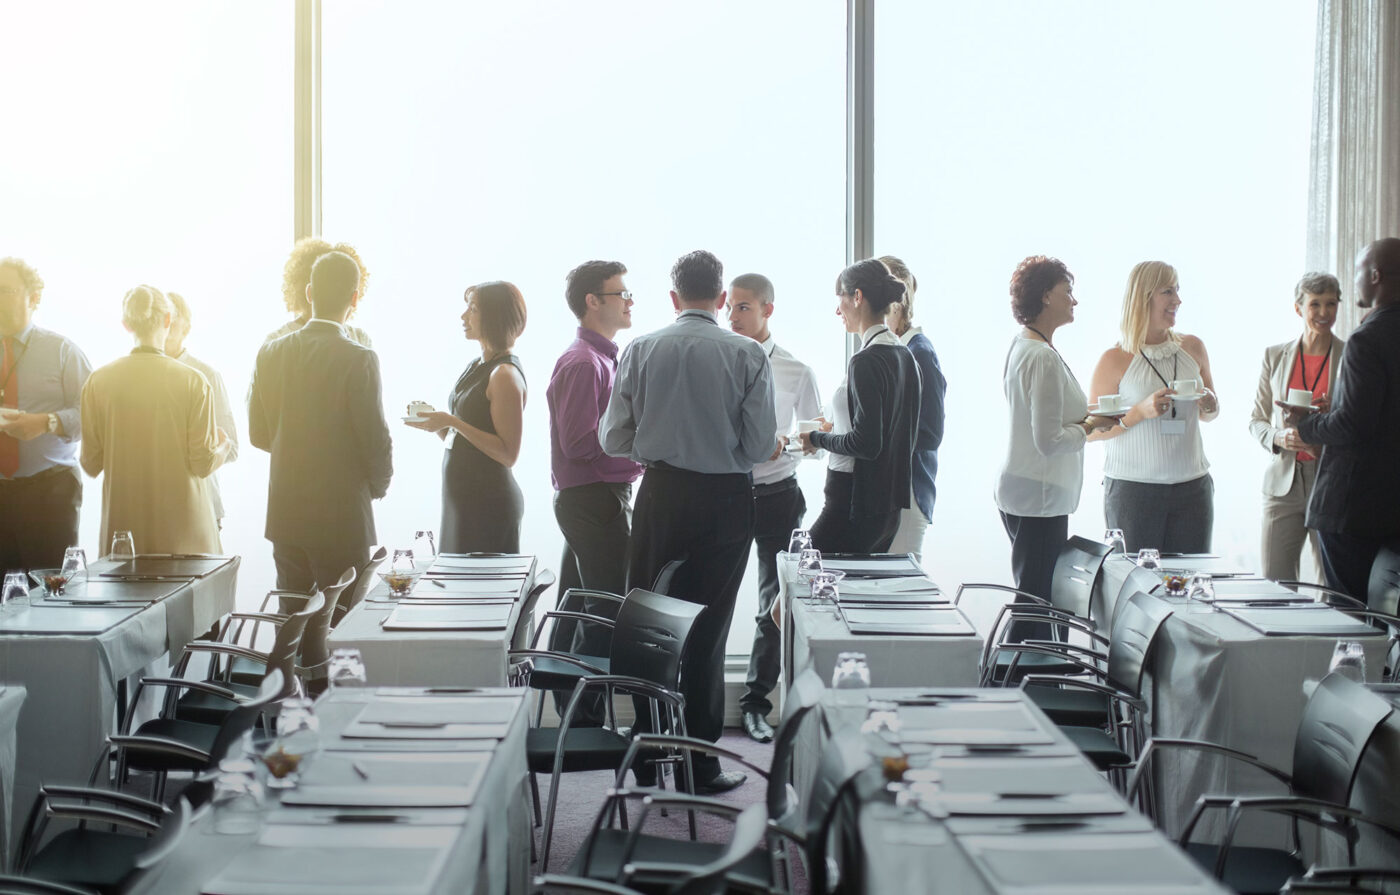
column 1144, row 453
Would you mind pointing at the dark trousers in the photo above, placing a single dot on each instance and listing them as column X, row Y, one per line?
column 39, row 518
column 778, row 509
column 596, row 521
column 836, row 532
column 1173, row 518
column 1347, row 561
column 707, row 521
column 1036, row 542
column 307, row 570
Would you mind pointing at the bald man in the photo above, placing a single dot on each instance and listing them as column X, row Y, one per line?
column 1355, row 503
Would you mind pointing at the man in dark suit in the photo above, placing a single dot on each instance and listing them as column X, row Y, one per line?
column 315, row 406
column 1355, row 503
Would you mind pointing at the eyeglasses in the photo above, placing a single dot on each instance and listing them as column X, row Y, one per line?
column 626, row 296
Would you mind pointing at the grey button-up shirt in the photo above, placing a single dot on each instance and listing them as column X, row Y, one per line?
column 693, row 395
column 50, row 375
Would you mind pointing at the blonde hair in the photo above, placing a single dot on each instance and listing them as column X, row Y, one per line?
column 179, row 307
column 901, row 272
column 33, row 283
column 144, row 310
column 296, row 273
column 1143, row 282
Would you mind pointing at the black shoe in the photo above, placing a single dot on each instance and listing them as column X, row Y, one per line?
column 724, row 781
column 757, row 727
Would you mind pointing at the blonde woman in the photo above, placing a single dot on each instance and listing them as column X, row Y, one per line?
column 1157, row 487
column 1309, row 362
column 149, row 431
column 296, row 279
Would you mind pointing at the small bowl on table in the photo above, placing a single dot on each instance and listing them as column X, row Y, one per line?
column 401, row 583
column 53, row 581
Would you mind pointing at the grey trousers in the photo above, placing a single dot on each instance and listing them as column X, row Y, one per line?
column 1173, row 518
column 1281, row 544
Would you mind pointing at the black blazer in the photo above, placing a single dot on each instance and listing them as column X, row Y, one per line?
column 315, row 406
column 1357, row 491
column 883, row 394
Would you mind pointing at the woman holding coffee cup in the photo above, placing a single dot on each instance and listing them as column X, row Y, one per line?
column 1044, row 470
column 1300, row 372
column 1156, row 485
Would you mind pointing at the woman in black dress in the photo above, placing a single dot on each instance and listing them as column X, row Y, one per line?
column 481, row 504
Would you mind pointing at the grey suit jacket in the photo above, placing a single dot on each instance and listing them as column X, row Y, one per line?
column 1267, row 419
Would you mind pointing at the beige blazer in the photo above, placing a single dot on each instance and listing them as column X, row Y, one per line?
column 149, row 431
column 1267, row 419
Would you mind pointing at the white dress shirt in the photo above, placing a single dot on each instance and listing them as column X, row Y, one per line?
column 223, row 418
column 1044, row 469
column 795, row 397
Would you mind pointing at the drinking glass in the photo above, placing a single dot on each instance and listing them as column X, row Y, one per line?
column 825, row 589
column 882, row 719
column 1349, row 660
column 238, row 798
column 809, row 562
column 123, row 546
column 851, row 679
column 424, row 544
column 800, row 540
column 1201, row 586
column 16, row 588
column 402, row 563
column 346, row 669
column 298, row 737
column 1113, row 537
column 1150, row 558
column 75, row 564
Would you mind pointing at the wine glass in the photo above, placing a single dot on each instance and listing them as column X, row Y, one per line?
column 1349, row 660
column 75, row 564
column 123, row 547
column 1150, row 558
column 1113, row 537
column 851, row 678
column 403, row 562
column 1201, row 586
column 800, row 540
column 346, row 668
column 424, row 544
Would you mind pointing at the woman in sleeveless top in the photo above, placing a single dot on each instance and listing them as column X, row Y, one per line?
column 1156, row 485
column 481, row 504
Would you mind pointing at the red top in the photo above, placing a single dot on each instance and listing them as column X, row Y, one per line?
column 1310, row 370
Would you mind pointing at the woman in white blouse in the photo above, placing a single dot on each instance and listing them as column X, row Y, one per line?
column 1156, row 485
column 1044, row 469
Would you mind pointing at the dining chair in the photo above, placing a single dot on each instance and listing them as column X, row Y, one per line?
column 91, row 859
column 520, row 635
column 312, row 656
column 364, row 583
column 600, row 609
column 1345, row 881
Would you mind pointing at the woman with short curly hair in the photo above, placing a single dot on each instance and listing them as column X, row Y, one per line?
column 296, row 278
column 1050, row 421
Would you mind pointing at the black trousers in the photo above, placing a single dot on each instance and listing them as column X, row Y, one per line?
column 39, row 518
column 836, row 532
column 778, row 509
column 1036, row 542
column 708, row 521
column 596, row 521
column 305, row 570
column 1347, row 561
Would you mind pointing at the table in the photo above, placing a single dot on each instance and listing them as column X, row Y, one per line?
column 481, row 849
column 73, row 668
column 425, row 658
column 11, row 698
column 1077, row 836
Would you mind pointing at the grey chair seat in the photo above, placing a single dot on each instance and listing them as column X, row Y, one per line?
column 585, row 749
column 1249, row 870
column 96, row 859
column 1082, row 708
column 605, row 859
column 1098, row 747
column 191, row 733
column 552, row 674
column 208, row 708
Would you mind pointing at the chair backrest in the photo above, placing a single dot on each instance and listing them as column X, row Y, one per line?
column 667, row 577
column 313, row 649
column 520, row 637
column 1339, row 720
column 1077, row 569
column 750, row 829
column 1138, row 580
column 364, row 580
column 283, row 655
column 576, row 599
column 1383, row 590
column 1135, row 627
column 245, row 715
column 842, row 760
column 804, row 694
column 650, row 636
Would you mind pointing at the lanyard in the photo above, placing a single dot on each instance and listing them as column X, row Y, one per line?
column 1176, row 356
column 1302, row 363
column 875, row 335
column 1052, row 348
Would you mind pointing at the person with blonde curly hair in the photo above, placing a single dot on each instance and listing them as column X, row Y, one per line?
column 296, row 280
column 41, row 381
column 149, row 431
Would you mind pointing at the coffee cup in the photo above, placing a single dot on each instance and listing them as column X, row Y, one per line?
column 418, row 408
column 1110, row 403
column 1300, row 397
column 1186, row 387
column 808, row 426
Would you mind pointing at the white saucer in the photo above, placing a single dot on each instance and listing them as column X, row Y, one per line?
column 1111, row 414
column 1296, row 406
column 1196, row 397
column 415, row 419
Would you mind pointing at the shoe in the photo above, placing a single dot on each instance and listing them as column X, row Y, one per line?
column 724, row 781
column 757, row 727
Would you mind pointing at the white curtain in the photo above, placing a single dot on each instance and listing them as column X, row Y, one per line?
column 1354, row 195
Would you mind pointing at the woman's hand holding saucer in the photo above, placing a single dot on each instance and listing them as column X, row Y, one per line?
column 431, row 421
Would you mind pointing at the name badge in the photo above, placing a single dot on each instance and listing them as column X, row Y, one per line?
column 1173, row 427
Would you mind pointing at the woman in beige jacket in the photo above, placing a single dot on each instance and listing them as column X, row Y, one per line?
column 149, row 430
column 1309, row 362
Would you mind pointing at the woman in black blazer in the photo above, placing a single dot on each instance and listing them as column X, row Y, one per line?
column 875, row 421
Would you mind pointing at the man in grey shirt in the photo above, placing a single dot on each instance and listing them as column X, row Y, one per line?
column 693, row 402
column 41, row 382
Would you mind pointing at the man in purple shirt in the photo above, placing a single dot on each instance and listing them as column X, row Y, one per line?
column 593, row 503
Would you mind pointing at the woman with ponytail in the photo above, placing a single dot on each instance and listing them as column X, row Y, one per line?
column 149, row 431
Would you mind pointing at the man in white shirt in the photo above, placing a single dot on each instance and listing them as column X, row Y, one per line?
column 180, row 323
column 778, row 502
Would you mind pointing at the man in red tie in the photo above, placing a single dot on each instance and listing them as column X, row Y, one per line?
column 41, row 381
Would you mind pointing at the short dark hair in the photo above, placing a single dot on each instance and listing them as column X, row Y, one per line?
column 877, row 285
column 697, row 276
column 1034, row 277
column 334, row 278
column 502, row 311
column 1316, row 283
column 587, row 279
column 756, row 283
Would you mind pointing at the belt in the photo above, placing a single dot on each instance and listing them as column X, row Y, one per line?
column 787, row 484
column 39, row 476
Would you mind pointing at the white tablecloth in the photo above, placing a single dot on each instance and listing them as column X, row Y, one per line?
column 896, row 660
column 11, row 698
column 489, row 844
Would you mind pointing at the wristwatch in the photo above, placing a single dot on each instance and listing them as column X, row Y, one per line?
column 53, row 422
